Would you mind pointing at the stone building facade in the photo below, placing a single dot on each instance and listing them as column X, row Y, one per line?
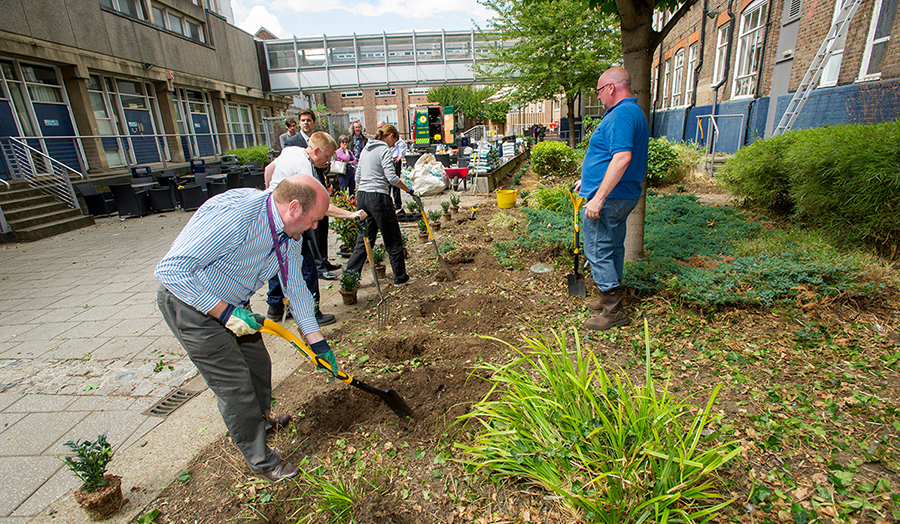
column 104, row 84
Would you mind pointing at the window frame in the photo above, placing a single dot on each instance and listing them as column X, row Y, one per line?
column 721, row 52
column 689, row 72
column 749, row 49
column 677, row 78
column 871, row 41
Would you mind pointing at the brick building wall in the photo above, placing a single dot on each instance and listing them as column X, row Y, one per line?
column 371, row 105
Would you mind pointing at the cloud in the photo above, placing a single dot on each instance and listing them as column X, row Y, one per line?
column 252, row 19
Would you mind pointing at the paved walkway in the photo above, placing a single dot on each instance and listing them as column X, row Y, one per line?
column 84, row 350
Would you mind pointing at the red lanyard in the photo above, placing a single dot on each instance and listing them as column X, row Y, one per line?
column 281, row 263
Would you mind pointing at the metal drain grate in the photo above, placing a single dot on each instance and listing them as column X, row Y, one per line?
column 170, row 403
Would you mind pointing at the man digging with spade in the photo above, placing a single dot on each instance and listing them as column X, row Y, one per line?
column 229, row 249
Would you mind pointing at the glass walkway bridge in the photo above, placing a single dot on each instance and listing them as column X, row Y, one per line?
column 417, row 59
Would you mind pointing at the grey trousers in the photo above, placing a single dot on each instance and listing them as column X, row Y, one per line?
column 237, row 369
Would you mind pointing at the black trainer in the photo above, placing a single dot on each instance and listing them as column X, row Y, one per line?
column 331, row 267
column 277, row 314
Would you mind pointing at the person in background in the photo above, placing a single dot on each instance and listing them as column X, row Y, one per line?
column 291, row 126
column 398, row 151
column 357, row 139
column 375, row 175
column 232, row 245
column 320, row 250
column 611, row 181
column 346, row 182
column 292, row 161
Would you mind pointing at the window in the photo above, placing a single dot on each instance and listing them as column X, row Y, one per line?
column 356, row 114
column 388, row 114
column 240, row 126
column 749, row 49
column 833, row 66
column 721, row 49
column 417, row 91
column 677, row 78
column 43, row 84
column 877, row 41
column 385, row 92
column 691, row 66
column 666, row 79
column 350, row 94
column 130, row 8
column 173, row 23
column 159, row 17
column 653, row 76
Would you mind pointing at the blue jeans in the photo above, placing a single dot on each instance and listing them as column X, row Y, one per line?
column 604, row 242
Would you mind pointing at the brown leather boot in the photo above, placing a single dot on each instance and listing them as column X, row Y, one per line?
column 606, row 320
column 611, row 315
column 609, row 300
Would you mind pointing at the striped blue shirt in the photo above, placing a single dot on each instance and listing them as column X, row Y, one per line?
column 226, row 252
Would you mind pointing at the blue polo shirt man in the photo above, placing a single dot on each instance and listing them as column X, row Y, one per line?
column 611, row 176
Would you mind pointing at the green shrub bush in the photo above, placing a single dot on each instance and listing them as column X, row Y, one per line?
column 844, row 179
column 549, row 159
column 251, row 154
column 689, row 156
column 662, row 159
column 759, row 173
column 552, row 198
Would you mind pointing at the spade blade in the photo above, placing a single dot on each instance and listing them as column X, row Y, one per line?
column 576, row 285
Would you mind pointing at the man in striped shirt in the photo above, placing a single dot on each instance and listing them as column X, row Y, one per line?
column 230, row 248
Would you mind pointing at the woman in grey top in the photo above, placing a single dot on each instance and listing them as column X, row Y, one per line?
column 375, row 175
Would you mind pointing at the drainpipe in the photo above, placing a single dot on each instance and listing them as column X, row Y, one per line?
column 700, row 49
column 716, row 87
column 762, row 60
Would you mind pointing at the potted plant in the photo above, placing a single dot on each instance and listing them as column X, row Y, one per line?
column 434, row 219
column 345, row 228
column 378, row 256
column 101, row 494
column 454, row 203
column 349, row 286
column 423, row 231
column 413, row 207
column 405, row 239
column 446, row 214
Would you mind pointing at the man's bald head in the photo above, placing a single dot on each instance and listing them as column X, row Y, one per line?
column 613, row 86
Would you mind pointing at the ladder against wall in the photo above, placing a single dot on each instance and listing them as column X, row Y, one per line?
column 811, row 78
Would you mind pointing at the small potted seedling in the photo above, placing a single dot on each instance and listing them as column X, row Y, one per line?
column 378, row 256
column 101, row 494
column 405, row 239
column 454, row 203
column 523, row 195
column 446, row 214
column 349, row 286
column 423, row 231
column 434, row 219
column 413, row 207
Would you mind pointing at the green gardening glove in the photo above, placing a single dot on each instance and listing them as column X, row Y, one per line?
column 323, row 351
column 240, row 321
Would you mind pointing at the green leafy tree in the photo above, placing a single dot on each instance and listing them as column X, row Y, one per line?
column 560, row 48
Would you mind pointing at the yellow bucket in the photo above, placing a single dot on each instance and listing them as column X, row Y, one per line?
column 506, row 198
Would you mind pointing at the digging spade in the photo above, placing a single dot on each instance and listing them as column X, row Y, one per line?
column 443, row 263
column 382, row 310
column 389, row 396
column 576, row 281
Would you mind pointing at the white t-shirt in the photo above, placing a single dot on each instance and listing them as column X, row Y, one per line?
column 292, row 161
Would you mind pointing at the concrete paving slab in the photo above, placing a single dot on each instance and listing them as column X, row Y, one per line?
column 14, row 520
column 76, row 348
column 147, row 310
column 110, row 299
column 118, row 426
column 29, row 349
column 48, row 331
column 20, row 477
column 62, row 483
column 41, row 404
column 10, row 329
column 117, row 347
column 7, row 399
column 88, row 329
column 98, row 313
column 95, row 403
column 49, row 291
column 35, row 433
column 8, row 419
column 131, row 327
column 58, row 314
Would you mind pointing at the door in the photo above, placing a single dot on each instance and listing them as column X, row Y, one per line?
column 140, row 124
column 7, row 128
column 202, row 134
column 54, row 121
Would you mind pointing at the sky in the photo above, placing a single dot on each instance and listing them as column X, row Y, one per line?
column 301, row 18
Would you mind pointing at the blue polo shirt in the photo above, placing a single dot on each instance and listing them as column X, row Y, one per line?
column 623, row 128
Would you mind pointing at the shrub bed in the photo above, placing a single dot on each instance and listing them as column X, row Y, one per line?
column 549, row 159
column 251, row 154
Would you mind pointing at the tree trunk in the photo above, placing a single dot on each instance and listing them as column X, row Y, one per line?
column 638, row 43
column 570, row 114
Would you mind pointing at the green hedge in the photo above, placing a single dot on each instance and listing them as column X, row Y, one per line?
column 844, row 179
column 251, row 154
column 550, row 159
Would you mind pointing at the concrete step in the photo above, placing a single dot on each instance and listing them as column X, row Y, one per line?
column 54, row 214
column 26, row 202
column 18, row 193
column 50, row 229
column 38, row 208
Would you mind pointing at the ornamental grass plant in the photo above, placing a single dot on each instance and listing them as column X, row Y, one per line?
column 609, row 449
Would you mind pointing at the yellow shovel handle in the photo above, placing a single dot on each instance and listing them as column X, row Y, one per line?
column 273, row 328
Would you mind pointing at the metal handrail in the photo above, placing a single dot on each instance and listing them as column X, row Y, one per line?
column 53, row 179
column 715, row 134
